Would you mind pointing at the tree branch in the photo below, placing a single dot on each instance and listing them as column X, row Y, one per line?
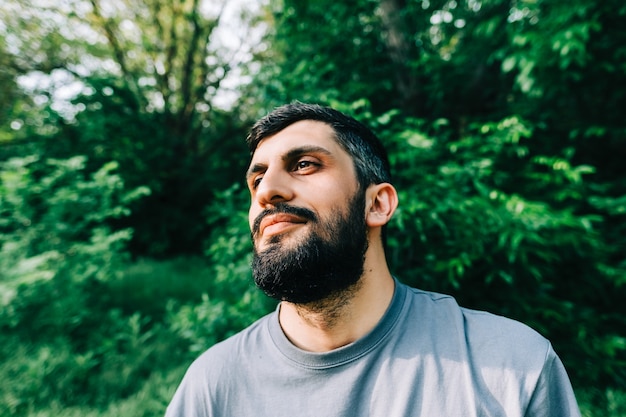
column 399, row 48
column 188, row 67
column 163, row 80
column 119, row 55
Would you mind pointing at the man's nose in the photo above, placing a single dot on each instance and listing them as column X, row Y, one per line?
column 275, row 187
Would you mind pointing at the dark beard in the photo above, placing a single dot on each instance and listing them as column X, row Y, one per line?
column 319, row 267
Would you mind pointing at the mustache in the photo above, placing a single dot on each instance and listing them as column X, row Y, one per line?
column 284, row 209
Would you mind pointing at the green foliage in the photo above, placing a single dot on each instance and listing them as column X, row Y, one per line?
column 504, row 126
column 119, row 354
column 146, row 83
column 72, row 348
column 302, row 69
column 84, row 330
column 597, row 403
column 57, row 255
column 182, row 166
column 232, row 301
column 149, row 401
column 53, row 220
column 146, row 285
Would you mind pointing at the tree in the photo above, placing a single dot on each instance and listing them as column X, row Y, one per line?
column 150, row 78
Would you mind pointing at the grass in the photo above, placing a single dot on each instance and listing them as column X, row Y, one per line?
column 149, row 401
column 147, row 285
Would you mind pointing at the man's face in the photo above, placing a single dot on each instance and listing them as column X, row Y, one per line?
column 307, row 214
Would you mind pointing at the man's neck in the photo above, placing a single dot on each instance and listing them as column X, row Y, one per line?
column 339, row 320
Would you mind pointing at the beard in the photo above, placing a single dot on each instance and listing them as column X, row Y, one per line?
column 326, row 263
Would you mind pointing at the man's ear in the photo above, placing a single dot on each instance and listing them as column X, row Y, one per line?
column 381, row 202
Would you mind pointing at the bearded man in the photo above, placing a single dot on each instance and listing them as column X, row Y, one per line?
column 347, row 338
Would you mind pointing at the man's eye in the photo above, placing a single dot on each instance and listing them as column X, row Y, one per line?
column 256, row 182
column 304, row 164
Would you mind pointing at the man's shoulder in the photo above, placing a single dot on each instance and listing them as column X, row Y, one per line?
column 498, row 356
column 233, row 349
column 486, row 334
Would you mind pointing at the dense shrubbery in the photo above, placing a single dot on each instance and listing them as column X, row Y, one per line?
column 83, row 327
column 58, row 254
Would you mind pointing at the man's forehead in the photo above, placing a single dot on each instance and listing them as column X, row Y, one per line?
column 301, row 134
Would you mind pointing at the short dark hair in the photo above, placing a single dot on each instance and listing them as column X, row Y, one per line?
column 367, row 151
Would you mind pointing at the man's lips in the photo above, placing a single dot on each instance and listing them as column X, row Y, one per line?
column 276, row 223
column 281, row 216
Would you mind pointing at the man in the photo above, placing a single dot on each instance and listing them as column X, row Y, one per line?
column 347, row 338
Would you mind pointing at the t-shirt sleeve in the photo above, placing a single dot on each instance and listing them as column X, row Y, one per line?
column 198, row 392
column 190, row 399
column 553, row 395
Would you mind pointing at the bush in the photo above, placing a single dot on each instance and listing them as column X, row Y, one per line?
column 53, row 220
column 231, row 301
column 57, row 254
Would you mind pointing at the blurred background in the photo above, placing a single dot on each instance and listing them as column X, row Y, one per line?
column 124, row 241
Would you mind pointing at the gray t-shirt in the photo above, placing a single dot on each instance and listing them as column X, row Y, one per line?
column 426, row 357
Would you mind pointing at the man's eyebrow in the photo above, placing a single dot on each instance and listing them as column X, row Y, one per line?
column 295, row 152
column 255, row 169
